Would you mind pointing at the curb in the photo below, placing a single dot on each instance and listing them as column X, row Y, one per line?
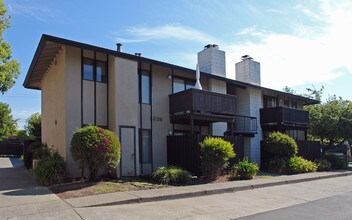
column 201, row 192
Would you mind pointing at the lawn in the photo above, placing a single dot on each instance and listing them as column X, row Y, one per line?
column 81, row 187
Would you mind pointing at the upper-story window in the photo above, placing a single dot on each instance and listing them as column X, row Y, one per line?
column 270, row 102
column 100, row 73
column 88, row 66
column 145, row 87
column 181, row 84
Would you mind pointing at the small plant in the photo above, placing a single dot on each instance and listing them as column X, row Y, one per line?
column 278, row 165
column 297, row 165
column 244, row 170
column 337, row 162
column 95, row 147
column 215, row 154
column 281, row 145
column 323, row 165
column 50, row 170
column 171, row 175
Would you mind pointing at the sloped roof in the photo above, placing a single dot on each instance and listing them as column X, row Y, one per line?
column 49, row 47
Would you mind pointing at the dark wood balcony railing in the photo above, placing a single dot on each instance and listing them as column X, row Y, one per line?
column 194, row 100
column 284, row 118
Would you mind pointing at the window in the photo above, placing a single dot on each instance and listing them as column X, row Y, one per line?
column 286, row 103
column 146, row 146
column 88, row 69
column 270, row 102
column 101, row 72
column 180, row 84
column 145, row 90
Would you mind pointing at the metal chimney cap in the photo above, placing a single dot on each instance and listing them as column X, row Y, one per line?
column 119, row 47
column 246, row 57
column 211, row 46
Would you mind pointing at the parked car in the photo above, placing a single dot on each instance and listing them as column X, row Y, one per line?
column 343, row 150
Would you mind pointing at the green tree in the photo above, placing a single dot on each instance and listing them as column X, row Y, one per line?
column 331, row 122
column 314, row 93
column 34, row 126
column 8, row 124
column 9, row 68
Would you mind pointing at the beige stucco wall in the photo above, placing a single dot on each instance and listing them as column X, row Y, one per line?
column 73, row 103
column 124, row 104
column 61, row 95
column 53, row 106
column 101, row 105
column 162, row 87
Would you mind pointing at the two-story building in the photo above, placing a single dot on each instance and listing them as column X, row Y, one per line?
column 144, row 100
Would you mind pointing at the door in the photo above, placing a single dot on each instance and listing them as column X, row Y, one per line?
column 128, row 150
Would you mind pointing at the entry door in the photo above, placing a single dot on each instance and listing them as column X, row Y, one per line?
column 128, row 150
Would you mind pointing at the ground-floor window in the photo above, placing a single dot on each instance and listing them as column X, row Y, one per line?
column 146, row 154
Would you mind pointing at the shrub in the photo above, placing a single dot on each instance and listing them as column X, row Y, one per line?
column 278, row 165
column 323, row 165
column 50, row 170
column 171, row 175
column 95, row 148
column 281, row 145
column 337, row 162
column 244, row 170
column 215, row 154
column 297, row 165
column 39, row 150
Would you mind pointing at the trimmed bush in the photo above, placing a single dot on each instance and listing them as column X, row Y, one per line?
column 281, row 145
column 215, row 154
column 337, row 162
column 95, row 148
column 323, row 165
column 50, row 170
column 297, row 165
column 244, row 170
column 171, row 175
column 278, row 165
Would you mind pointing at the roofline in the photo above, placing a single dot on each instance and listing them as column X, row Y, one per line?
column 72, row 43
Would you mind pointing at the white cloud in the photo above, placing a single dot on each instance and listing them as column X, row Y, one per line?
column 310, row 55
column 36, row 11
column 312, row 52
column 169, row 31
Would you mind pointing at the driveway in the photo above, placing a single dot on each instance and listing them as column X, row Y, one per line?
column 22, row 198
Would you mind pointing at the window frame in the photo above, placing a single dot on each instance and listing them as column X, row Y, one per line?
column 95, row 68
column 144, row 73
column 84, row 63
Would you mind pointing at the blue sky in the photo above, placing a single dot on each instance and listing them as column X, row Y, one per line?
column 298, row 43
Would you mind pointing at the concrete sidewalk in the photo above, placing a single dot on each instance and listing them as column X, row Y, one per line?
column 22, row 198
column 140, row 196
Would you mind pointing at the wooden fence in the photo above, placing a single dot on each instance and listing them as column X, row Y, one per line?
column 309, row 150
column 8, row 148
column 184, row 151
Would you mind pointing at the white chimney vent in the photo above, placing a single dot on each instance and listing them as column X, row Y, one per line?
column 248, row 70
column 212, row 60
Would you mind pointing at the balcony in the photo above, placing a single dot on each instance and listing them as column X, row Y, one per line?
column 284, row 118
column 243, row 125
column 201, row 107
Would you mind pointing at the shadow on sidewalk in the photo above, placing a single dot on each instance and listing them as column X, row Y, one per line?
column 15, row 180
